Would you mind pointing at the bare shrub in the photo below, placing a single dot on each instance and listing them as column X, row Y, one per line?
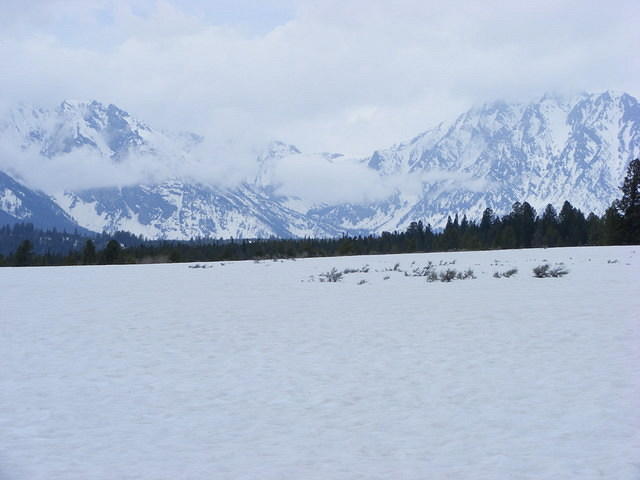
column 545, row 271
column 466, row 275
column 506, row 274
column 424, row 271
column 362, row 282
column 558, row 271
column 509, row 273
column 331, row 276
column 447, row 275
column 363, row 269
column 541, row 271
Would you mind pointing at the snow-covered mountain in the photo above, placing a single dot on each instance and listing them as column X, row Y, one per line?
column 546, row 151
column 20, row 204
column 104, row 130
column 175, row 207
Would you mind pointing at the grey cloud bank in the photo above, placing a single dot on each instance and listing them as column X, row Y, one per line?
column 349, row 76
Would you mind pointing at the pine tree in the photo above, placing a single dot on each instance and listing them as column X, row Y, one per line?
column 24, row 254
column 629, row 204
column 111, row 252
column 573, row 226
column 613, row 226
column 550, row 226
column 89, row 253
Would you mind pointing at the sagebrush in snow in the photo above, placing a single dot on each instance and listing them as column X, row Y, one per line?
column 506, row 274
column 545, row 271
column 467, row 274
column 448, row 275
column 432, row 276
column 331, row 276
column 423, row 271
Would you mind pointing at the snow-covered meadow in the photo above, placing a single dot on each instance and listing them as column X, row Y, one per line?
column 248, row 370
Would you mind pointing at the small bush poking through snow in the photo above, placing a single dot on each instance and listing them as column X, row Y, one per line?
column 545, row 271
column 363, row 269
column 331, row 276
column 432, row 276
column 362, row 282
column 558, row 271
column 510, row 273
column 506, row 274
column 424, row 271
column 541, row 271
column 612, row 261
column 467, row 274
column 447, row 275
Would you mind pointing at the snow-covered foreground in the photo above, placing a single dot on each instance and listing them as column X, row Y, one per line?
column 253, row 371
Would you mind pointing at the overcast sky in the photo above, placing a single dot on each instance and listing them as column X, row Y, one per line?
column 345, row 75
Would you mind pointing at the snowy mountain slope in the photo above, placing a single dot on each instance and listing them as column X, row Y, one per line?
column 179, row 210
column 106, row 130
column 542, row 152
column 19, row 204
column 174, row 208
column 546, row 151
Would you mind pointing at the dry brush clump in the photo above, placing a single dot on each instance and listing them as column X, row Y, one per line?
column 545, row 271
column 363, row 269
column 448, row 275
column 506, row 274
column 332, row 276
column 422, row 271
column 466, row 275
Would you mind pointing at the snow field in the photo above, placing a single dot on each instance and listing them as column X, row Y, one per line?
column 258, row 370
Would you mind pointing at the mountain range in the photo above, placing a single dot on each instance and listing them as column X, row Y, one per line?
column 544, row 151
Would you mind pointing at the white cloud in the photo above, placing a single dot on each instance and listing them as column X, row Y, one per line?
column 347, row 76
column 317, row 179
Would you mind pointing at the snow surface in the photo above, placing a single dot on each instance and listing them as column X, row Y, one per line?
column 251, row 370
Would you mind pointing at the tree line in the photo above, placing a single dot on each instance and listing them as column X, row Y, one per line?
column 523, row 227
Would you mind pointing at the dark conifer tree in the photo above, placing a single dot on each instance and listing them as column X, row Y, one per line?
column 24, row 254
column 111, row 252
column 549, row 221
column 613, row 226
column 629, row 204
column 89, row 253
column 595, row 230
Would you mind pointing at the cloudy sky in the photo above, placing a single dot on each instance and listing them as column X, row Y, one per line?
column 330, row 75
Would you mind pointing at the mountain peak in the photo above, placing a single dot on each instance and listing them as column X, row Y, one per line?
column 558, row 147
